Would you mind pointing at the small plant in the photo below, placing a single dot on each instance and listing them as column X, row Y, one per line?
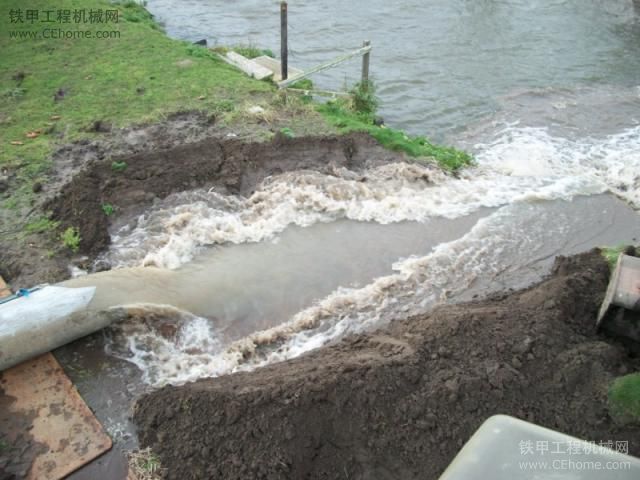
column 251, row 51
column 304, row 84
column 198, row 51
column 108, row 209
column 364, row 98
column 611, row 254
column 145, row 465
column 119, row 166
column 71, row 239
column 223, row 106
column 287, row 132
column 16, row 92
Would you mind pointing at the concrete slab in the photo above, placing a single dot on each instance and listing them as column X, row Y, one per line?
column 274, row 66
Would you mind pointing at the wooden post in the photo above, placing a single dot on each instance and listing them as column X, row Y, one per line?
column 365, row 67
column 283, row 41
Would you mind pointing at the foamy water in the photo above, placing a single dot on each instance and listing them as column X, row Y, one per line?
column 520, row 164
column 520, row 170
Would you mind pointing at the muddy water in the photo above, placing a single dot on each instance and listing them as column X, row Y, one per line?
column 248, row 287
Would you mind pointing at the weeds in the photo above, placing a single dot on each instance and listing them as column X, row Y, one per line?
column 611, row 254
column 71, row 239
column 41, row 225
column 364, row 98
column 287, row 132
column 108, row 209
column 251, row 51
column 145, row 465
column 119, row 166
column 342, row 115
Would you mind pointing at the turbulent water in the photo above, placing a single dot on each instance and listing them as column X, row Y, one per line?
column 543, row 93
column 517, row 216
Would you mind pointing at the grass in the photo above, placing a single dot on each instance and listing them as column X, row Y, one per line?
column 53, row 90
column 144, row 465
column 41, row 225
column 71, row 239
column 345, row 118
column 108, row 209
column 624, row 397
column 611, row 254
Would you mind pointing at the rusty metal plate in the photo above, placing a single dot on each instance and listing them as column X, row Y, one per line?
column 44, row 422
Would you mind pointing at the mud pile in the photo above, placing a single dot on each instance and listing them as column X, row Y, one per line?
column 400, row 402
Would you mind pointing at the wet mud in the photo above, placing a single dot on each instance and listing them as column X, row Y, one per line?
column 401, row 401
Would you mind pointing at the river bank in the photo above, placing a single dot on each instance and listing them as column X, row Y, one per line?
column 400, row 402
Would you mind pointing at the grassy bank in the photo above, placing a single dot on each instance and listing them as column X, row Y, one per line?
column 56, row 91
column 347, row 119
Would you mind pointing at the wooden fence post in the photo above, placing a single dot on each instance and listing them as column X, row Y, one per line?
column 364, row 82
column 283, row 41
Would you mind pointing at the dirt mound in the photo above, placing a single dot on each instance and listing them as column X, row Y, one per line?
column 400, row 402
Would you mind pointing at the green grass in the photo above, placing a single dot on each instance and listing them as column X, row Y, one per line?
column 140, row 77
column 611, row 254
column 108, row 209
column 624, row 397
column 71, row 239
column 119, row 166
column 339, row 114
column 246, row 50
column 41, row 225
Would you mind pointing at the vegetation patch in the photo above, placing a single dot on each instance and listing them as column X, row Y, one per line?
column 71, row 238
column 108, row 209
column 611, row 254
column 119, row 166
column 624, row 397
column 144, row 465
column 343, row 114
column 40, row 225
column 249, row 51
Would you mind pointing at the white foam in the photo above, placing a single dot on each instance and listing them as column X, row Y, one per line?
column 520, row 164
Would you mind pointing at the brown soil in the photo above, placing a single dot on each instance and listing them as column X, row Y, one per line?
column 400, row 402
column 84, row 180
